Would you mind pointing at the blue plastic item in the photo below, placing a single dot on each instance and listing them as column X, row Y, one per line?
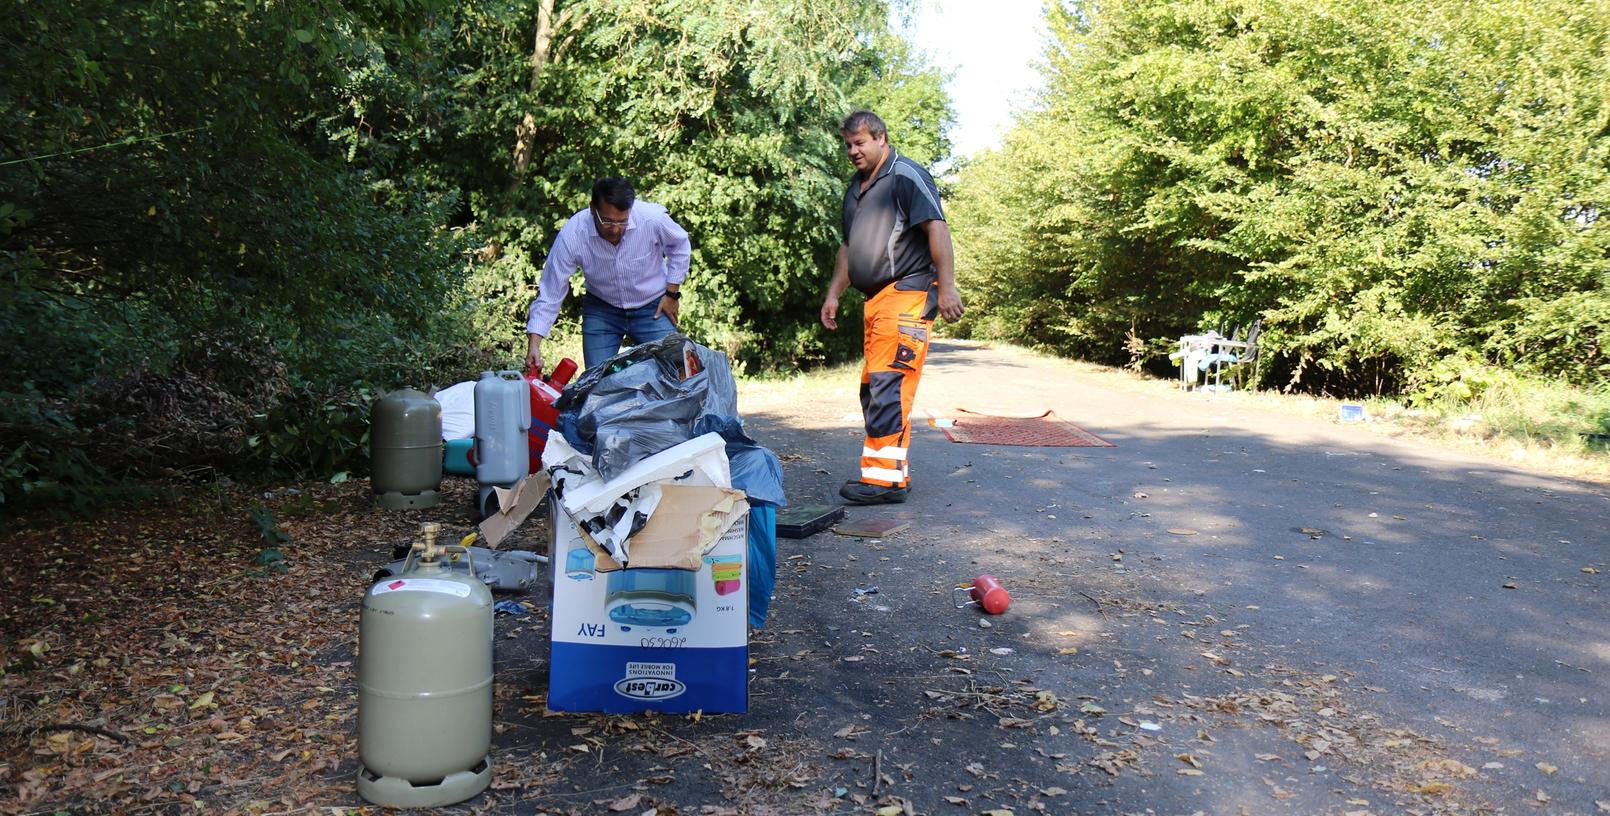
column 762, row 561
column 456, row 456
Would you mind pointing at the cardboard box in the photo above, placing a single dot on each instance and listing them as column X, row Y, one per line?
column 648, row 638
column 514, row 505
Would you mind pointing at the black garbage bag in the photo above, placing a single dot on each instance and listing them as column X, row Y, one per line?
column 644, row 400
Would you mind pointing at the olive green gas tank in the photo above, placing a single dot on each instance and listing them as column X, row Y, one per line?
column 425, row 683
column 405, row 450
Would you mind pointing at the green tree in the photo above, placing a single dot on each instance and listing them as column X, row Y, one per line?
column 1386, row 184
column 245, row 219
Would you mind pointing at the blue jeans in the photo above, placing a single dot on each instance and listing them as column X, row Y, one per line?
column 603, row 327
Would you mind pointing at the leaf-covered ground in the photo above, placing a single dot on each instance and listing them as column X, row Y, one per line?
column 196, row 679
column 1341, row 638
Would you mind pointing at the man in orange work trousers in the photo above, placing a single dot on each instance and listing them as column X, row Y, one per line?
column 897, row 250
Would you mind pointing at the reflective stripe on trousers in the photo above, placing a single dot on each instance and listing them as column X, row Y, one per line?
column 897, row 329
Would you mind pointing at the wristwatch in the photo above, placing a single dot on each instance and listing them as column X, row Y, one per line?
column 677, row 295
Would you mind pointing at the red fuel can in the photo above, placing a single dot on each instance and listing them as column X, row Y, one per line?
column 544, row 417
column 987, row 592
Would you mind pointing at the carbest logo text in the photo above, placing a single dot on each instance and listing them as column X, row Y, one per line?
column 650, row 681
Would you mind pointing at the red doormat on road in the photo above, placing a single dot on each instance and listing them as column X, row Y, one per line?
column 1045, row 430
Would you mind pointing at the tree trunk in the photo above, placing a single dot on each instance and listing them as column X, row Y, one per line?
column 525, row 134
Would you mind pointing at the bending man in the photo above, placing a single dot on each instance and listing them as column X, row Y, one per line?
column 634, row 259
column 897, row 250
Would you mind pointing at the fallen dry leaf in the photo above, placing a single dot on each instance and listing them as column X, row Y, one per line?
column 626, row 803
column 1449, row 766
column 1547, row 769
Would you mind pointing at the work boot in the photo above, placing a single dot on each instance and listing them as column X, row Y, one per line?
column 863, row 493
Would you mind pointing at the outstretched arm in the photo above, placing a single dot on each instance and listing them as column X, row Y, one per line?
column 551, row 291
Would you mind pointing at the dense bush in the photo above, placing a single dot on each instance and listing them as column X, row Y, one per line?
column 225, row 227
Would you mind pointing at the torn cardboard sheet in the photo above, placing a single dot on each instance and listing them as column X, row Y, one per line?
column 516, row 504
column 689, row 521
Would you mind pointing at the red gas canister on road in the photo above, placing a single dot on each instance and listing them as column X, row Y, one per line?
column 987, row 592
column 544, row 417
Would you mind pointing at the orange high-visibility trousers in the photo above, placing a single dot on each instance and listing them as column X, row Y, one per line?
column 897, row 326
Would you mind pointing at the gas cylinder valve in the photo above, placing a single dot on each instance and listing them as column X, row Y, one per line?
column 426, row 546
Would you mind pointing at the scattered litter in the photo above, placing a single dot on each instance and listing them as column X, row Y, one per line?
column 807, row 520
column 502, row 570
column 1350, row 412
column 1148, row 725
column 871, row 527
column 1182, row 531
column 983, row 623
column 866, row 590
column 513, row 608
column 1001, row 650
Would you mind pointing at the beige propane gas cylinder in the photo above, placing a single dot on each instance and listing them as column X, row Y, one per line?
column 425, row 683
column 405, row 450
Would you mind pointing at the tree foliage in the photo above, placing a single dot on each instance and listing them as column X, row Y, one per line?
column 225, row 225
column 1388, row 185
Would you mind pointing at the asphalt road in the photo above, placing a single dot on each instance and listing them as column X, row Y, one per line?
column 1231, row 611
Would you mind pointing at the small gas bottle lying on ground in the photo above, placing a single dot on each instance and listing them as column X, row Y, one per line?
column 987, row 592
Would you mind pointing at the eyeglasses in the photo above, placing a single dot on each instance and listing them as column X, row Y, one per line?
column 608, row 222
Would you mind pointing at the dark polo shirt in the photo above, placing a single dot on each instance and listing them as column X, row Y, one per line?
column 882, row 226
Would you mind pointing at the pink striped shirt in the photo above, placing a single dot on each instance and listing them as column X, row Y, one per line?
column 654, row 251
